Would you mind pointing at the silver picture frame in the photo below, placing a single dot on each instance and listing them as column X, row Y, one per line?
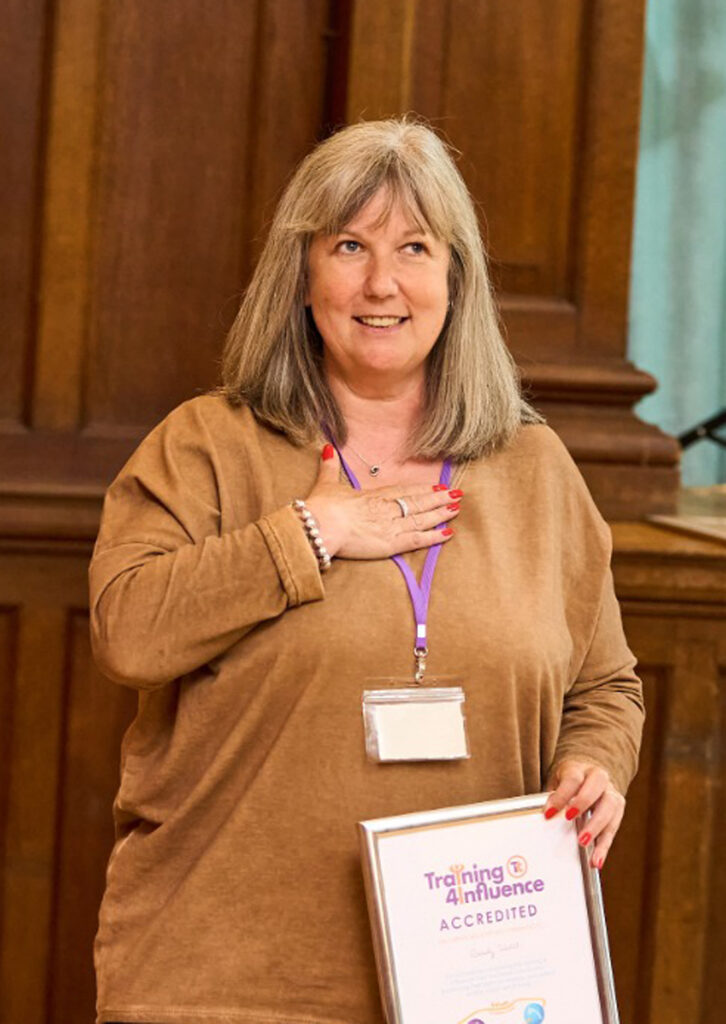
column 577, row 888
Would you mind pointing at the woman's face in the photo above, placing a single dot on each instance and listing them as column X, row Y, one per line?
column 378, row 294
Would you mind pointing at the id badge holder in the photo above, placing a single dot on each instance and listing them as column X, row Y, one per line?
column 415, row 723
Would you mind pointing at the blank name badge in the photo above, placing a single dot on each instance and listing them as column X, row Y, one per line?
column 415, row 724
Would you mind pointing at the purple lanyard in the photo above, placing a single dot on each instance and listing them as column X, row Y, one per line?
column 420, row 593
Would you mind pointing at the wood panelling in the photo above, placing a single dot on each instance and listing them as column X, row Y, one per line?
column 516, row 122
column 22, row 87
column 61, row 732
column 716, row 958
column 96, row 716
column 606, row 166
column 150, row 143
column 65, row 265
column 202, row 118
column 30, row 827
column 8, row 672
column 672, row 810
column 136, row 217
column 628, row 877
column 673, row 592
column 291, row 93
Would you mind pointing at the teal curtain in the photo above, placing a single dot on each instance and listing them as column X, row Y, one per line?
column 678, row 288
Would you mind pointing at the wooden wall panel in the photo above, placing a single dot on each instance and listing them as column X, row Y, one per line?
column 176, row 116
column 628, row 876
column 291, row 92
column 202, row 118
column 169, row 131
column 22, row 86
column 29, row 839
column 688, row 835
column 713, row 975
column 516, row 122
column 96, row 715
column 60, row 756
column 665, row 931
column 8, row 672
column 68, row 192
column 673, row 590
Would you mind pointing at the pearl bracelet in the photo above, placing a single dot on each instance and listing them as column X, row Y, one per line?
column 313, row 534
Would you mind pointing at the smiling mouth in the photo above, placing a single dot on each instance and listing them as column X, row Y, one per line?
column 380, row 321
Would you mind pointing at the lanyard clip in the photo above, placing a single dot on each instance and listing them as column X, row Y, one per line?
column 420, row 654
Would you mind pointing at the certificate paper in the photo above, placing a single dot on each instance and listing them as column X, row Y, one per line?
column 487, row 914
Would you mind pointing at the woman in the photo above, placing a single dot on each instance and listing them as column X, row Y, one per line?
column 247, row 590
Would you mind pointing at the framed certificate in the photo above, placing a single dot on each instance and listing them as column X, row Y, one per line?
column 487, row 914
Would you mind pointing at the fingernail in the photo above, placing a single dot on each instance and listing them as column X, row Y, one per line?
column 585, row 839
column 453, row 508
column 550, row 812
column 599, row 863
column 447, row 532
column 328, row 452
column 456, row 494
column 439, row 487
column 572, row 812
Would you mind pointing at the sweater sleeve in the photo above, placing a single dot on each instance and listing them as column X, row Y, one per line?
column 602, row 715
column 170, row 590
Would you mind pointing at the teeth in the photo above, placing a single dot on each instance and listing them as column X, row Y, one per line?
column 380, row 321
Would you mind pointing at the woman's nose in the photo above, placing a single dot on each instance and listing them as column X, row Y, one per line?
column 380, row 279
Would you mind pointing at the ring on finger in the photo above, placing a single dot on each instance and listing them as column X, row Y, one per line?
column 402, row 505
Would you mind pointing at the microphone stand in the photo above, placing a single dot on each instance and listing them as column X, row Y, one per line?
column 706, row 429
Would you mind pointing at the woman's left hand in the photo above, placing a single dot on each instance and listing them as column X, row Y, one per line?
column 578, row 787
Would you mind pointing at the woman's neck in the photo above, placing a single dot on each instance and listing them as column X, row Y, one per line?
column 390, row 413
column 379, row 426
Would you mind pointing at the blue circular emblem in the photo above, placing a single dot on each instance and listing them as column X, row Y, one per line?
column 534, row 1013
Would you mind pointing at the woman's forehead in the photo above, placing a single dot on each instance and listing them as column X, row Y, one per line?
column 382, row 208
column 376, row 211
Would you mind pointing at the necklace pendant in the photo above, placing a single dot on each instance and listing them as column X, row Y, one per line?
column 374, row 470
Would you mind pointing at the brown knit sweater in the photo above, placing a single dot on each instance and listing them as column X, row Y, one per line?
column 234, row 891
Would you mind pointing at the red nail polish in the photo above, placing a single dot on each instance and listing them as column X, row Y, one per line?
column 550, row 812
column 600, row 863
column 456, row 494
column 447, row 532
column 328, row 452
column 453, row 508
column 439, row 487
column 572, row 812
column 585, row 839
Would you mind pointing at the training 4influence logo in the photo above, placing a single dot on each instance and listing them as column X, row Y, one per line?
column 463, row 886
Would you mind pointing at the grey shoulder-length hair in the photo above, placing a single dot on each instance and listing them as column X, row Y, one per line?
column 273, row 354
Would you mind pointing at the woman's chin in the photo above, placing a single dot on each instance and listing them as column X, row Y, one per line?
column 387, row 374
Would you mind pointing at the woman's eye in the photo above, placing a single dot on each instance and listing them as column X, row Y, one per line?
column 417, row 248
column 349, row 245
